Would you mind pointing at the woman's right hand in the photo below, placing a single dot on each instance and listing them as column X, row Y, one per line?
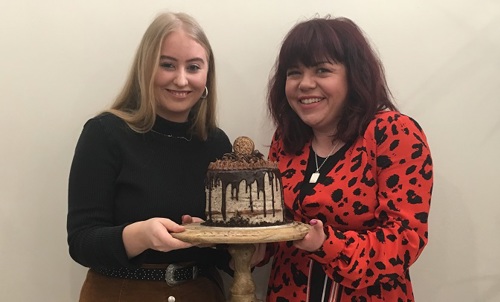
column 152, row 234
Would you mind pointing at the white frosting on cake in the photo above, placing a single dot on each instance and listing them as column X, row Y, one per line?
column 259, row 204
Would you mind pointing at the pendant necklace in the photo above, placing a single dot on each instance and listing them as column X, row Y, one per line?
column 173, row 136
column 315, row 175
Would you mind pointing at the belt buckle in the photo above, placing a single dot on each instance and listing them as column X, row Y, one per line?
column 170, row 276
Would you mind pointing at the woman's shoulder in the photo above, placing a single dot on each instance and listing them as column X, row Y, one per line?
column 219, row 139
column 106, row 121
column 389, row 117
column 217, row 134
column 391, row 126
column 105, row 124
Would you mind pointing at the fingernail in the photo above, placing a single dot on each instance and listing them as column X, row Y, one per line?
column 313, row 222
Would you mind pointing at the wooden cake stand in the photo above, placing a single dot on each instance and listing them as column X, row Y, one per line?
column 241, row 247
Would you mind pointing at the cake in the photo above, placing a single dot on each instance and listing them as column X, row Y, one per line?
column 243, row 189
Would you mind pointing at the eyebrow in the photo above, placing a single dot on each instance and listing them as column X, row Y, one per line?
column 196, row 59
column 315, row 64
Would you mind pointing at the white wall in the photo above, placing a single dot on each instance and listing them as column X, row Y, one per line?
column 63, row 61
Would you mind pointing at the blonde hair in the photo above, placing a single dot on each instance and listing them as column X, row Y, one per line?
column 136, row 102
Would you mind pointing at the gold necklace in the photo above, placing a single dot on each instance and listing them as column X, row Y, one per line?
column 315, row 175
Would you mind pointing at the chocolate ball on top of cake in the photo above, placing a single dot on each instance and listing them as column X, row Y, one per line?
column 243, row 189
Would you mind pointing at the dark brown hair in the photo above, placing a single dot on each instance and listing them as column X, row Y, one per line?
column 339, row 40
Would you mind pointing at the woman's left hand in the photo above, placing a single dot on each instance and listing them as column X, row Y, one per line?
column 314, row 238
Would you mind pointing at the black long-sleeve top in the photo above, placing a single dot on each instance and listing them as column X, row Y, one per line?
column 119, row 176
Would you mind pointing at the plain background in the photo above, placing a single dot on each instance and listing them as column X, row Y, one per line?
column 63, row 61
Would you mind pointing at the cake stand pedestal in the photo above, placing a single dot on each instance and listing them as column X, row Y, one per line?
column 241, row 247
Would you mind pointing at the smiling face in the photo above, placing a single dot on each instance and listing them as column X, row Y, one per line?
column 317, row 93
column 181, row 76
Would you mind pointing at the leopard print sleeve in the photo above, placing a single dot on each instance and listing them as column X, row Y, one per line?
column 377, row 206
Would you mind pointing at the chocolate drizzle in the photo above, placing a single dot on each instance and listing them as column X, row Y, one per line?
column 233, row 179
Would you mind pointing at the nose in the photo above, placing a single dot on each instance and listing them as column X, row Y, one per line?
column 307, row 81
column 180, row 78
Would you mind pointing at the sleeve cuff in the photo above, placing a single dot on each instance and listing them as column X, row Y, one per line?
column 332, row 247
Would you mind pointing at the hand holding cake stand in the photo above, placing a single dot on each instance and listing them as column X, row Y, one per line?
column 241, row 246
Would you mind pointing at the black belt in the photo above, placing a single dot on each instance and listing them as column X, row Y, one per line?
column 171, row 273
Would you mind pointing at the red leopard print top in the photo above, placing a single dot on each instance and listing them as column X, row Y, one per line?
column 374, row 203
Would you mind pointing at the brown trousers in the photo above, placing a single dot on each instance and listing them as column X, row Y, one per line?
column 99, row 288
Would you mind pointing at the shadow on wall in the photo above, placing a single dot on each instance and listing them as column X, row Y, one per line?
column 436, row 273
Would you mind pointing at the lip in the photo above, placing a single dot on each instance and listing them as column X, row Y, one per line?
column 179, row 93
column 310, row 100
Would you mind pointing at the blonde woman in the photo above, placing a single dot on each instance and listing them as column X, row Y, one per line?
column 138, row 174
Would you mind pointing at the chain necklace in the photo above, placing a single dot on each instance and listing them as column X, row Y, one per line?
column 315, row 175
column 173, row 136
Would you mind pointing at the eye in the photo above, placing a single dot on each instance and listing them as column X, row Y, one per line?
column 167, row 65
column 193, row 68
column 321, row 70
column 292, row 72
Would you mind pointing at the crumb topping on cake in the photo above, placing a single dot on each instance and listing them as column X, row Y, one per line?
column 243, row 157
column 242, row 222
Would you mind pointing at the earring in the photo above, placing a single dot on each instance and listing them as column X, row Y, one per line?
column 205, row 93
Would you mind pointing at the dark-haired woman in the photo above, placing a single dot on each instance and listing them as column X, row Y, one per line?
column 353, row 167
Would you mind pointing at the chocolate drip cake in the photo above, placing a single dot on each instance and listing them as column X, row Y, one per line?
column 243, row 189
